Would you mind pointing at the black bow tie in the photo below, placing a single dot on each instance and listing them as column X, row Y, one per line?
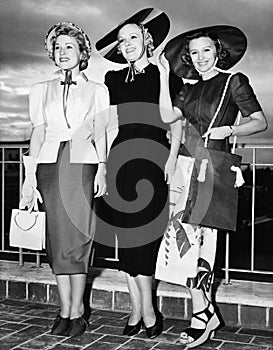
column 66, row 83
column 68, row 79
column 132, row 72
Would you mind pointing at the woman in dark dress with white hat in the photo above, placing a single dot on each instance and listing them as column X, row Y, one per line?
column 203, row 54
column 137, row 210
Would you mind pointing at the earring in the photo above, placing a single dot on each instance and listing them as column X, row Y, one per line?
column 150, row 49
column 118, row 50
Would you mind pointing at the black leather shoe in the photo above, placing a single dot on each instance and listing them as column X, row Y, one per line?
column 60, row 325
column 132, row 330
column 157, row 328
column 77, row 326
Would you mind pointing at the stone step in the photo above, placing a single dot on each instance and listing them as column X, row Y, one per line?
column 241, row 303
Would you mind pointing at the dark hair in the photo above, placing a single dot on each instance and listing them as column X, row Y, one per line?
column 222, row 53
column 64, row 29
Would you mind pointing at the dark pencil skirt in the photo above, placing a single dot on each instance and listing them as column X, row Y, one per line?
column 67, row 192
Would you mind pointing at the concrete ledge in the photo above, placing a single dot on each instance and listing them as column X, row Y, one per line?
column 240, row 303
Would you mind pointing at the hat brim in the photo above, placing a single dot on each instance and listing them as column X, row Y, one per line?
column 156, row 21
column 231, row 38
column 52, row 32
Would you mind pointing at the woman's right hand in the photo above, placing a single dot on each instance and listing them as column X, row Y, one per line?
column 100, row 181
column 170, row 168
column 163, row 64
column 30, row 195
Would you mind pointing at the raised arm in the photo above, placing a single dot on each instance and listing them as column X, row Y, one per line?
column 169, row 114
column 176, row 134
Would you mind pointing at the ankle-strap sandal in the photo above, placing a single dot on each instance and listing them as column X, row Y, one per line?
column 193, row 337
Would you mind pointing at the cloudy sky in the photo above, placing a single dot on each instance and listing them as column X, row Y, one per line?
column 24, row 23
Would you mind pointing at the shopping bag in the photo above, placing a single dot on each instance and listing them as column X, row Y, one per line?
column 213, row 194
column 27, row 230
column 213, row 198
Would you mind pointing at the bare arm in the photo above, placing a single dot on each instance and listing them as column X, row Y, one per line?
column 257, row 123
column 101, row 121
column 176, row 133
column 168, row 113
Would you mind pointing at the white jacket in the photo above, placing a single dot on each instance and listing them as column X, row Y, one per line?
column 88, row 103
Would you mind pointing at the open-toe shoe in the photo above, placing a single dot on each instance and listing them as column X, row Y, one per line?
column 193, row 337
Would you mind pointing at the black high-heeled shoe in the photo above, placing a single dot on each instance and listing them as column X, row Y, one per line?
column 77, row 326
column 200, row 336
column 60, row 325
column 132, row 330
column 155, row 330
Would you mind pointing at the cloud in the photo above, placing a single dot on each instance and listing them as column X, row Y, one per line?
column 14, row 128
column 24, row 24
column 61, row 7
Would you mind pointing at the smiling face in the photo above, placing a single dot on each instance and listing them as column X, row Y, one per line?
column 67, row 52
column 131, row 42
column 203, row 53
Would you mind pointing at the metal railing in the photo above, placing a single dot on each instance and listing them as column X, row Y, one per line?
column 12, row 169
column 254, row 164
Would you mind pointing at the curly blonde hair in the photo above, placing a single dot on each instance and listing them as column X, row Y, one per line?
column 64, row 29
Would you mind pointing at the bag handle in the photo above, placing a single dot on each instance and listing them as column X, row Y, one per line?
column 28, row 228
column 235, row 137
column 218, row 108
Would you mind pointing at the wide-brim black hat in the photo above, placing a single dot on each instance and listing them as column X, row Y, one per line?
column 155, row 20
column 231, row 38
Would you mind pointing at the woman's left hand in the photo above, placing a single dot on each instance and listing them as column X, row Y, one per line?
column 170, row 168
column 219, row 133
column 163, row 64
column 100, row 181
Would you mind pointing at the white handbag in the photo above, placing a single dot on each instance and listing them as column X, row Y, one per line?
column 27, row 230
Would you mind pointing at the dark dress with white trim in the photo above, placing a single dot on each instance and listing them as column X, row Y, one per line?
column 187, row 252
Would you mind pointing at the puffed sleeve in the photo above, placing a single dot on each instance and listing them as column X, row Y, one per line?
column 110, row 82
column 243, row 95
column 102, row 105
column 36, row 104
column 180, row 97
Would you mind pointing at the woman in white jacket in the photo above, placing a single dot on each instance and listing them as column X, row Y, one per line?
column 69, row 115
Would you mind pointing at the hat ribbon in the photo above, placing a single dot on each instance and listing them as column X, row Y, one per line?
column 132, row 69
column 66, row 83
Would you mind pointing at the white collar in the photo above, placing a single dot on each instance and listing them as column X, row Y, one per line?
column 80, row 78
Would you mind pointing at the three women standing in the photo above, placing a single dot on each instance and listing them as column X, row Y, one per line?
column 69, row 115
column 202, row 54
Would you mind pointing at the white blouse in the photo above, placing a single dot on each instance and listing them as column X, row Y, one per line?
column 87, row 104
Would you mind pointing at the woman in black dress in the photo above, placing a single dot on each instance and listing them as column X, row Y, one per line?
column 202, row 54
column 137, row 205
